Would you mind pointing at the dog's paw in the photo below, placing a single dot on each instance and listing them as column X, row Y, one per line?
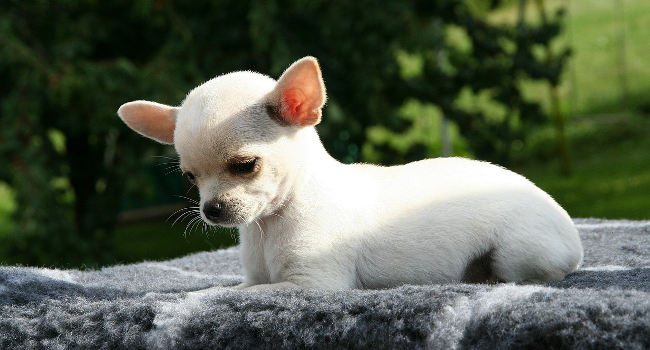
column 241, row 286
column 272, row 286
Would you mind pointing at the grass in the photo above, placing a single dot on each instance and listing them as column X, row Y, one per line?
column 610, row 161
column 595, row 31
column 159, row 240
column 610, row 151
column 7, row 207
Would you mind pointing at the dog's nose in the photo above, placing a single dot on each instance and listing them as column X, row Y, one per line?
column 213, row 210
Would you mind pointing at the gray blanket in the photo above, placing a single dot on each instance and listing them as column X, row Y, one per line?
column 185, row 303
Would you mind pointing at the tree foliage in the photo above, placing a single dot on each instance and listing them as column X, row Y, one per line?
column 70, row 64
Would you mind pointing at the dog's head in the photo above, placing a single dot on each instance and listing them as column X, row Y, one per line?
column 238, row 137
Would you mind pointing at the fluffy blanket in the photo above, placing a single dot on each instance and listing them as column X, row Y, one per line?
column 185, row 303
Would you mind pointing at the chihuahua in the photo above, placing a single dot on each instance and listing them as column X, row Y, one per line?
column 305, row 220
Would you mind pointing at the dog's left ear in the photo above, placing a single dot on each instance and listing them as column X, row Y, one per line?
column 300, row 93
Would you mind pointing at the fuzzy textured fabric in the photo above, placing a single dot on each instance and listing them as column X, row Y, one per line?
column 184, row 304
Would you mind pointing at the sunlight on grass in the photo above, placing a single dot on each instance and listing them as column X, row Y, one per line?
column 611, row 170
column 591, row 83
column 7, row 207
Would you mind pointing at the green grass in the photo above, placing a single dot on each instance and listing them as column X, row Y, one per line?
column 591, row 83
column 7, row 207
column 610, row 154
column 159, row 240
column 610, row 158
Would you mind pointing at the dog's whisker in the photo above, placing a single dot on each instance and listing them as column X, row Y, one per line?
column 184, row 216
column 189, row 189
column 233, row 233
column 179, row 217
column 193, row 201
column 171, row 170
column 167, row 157
column 188, row 225
column 198, row 224
column 261, row 230
column 193, row 225
column 180, row 211
column 174, row 163
column 168, row 166
column 176, row 170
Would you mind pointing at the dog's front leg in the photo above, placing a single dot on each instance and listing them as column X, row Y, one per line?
column 251, row 251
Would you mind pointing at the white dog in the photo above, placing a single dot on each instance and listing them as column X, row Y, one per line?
column 307, row 221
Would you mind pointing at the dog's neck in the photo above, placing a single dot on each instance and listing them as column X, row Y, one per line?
column 316, row 172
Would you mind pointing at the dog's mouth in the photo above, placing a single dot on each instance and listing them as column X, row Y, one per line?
column 227, row 220
column 225, row 213
column 224, row 222
column 231, row 214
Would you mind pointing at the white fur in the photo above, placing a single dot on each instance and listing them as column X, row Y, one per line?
column 366, row 226
column 306, row 220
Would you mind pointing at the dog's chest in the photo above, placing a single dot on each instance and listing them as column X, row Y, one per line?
column 265, row 243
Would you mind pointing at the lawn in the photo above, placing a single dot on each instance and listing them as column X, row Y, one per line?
column 610, row 158
column 159, row 240
column 7, row 206
column 609, row 138
column 594, row 31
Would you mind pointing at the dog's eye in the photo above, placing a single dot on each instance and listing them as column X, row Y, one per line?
column 190, row 177
column 243, row 166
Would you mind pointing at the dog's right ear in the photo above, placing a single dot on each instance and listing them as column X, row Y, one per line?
column 153, row 120
column 300, row 93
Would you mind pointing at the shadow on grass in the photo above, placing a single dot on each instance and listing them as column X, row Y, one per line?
column 160, row 241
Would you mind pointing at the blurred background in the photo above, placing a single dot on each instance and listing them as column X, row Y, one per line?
column 557, row 90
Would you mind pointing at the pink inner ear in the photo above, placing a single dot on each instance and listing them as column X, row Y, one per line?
column 293, row 102
column 301, row 93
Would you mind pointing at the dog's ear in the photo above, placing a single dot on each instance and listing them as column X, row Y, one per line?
column 153, row 120
column 300, row 93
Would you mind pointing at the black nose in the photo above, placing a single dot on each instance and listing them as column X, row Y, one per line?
column 213, row 210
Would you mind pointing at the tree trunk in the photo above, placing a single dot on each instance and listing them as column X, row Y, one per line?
column 556, row 112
